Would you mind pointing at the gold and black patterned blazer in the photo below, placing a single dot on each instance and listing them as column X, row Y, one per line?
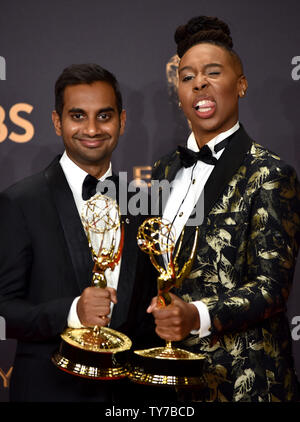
column 243, row 272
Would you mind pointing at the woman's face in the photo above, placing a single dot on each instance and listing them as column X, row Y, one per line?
column 210, row 82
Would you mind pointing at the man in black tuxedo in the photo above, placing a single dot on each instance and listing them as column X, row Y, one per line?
column 45, row 261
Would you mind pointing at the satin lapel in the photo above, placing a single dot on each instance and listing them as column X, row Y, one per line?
column 168, row 174
column 172, row 168
column 228, row 164
column 128, row 266
column 127, row 273
column 71, row 224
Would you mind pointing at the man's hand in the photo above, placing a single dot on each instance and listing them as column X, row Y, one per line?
column 93, row 306
column 176, row 321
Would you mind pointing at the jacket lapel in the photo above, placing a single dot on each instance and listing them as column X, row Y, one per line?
column 71, row 224
column 228, row 164
column 168, row 174
column 128, row 264
column 78, row 244
column 127, row 273
column 173, row 167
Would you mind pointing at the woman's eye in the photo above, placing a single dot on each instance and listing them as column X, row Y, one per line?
column 187, row 78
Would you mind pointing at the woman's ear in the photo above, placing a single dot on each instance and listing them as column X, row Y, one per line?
column 243, row 86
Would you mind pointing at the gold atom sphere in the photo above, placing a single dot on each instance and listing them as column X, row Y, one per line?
column 156, row 236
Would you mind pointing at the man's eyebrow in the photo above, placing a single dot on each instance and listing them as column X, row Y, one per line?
column 106, row 109
column 80, row 110
column 75, row 110
column 205, row 67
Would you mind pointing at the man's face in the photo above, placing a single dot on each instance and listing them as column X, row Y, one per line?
column 90, row 124
column 209, row 86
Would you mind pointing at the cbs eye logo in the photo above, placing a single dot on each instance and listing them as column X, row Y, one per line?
column 14, row 117
column 19, row 121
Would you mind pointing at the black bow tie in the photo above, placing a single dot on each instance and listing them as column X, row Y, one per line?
column 90, row 184
column 89, row 187
column 189, row 157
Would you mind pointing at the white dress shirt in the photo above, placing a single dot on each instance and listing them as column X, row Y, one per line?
column 75, row 177
column 186, row 190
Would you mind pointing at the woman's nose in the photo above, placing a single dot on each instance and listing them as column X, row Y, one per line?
column 200, row 82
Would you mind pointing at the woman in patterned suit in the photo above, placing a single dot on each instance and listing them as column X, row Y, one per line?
column 232, row 306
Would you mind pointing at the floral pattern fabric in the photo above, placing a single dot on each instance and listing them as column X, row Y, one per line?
column 243, row 272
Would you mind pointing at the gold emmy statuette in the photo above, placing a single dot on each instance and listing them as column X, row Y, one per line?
column 166, row 365
column 97, row 352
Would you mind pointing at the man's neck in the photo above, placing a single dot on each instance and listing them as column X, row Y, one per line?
column 94, row 169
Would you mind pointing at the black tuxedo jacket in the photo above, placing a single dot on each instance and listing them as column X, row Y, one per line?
column 45, row 262
column 243, row 272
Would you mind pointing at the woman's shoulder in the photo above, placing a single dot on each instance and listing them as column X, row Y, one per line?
column 164, row 161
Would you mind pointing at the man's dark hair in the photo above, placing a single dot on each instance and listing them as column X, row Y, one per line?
column 86, row 73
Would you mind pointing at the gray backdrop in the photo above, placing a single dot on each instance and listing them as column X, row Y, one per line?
column 134, row 39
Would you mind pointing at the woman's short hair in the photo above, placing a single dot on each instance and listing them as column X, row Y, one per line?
column 204, row 29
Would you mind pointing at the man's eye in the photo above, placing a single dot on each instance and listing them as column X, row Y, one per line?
column 77, row 116
column 214, row 73
column 103, row 116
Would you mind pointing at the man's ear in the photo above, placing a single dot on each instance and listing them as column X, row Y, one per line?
column 56, row 122
column 122, row 121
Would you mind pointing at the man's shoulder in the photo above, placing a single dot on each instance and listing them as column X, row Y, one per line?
column 29, row 186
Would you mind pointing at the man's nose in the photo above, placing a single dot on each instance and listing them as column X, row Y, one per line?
column 92, row 128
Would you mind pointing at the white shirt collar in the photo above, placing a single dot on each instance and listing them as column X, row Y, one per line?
column 75, row 175
column 192, row 143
